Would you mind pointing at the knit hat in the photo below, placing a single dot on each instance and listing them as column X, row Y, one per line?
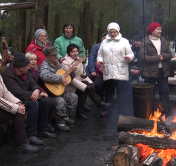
column 20, row 60
column 138, row 37
column 39, row 31
column 152, row 27
column 50, row 51
column 113, row 25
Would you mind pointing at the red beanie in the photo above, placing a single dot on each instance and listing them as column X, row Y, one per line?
column 152, row 27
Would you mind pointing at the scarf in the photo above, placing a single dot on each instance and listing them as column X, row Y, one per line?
column 22, row 77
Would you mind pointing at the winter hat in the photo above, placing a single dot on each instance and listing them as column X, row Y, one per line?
column 20, row 60
column 138, row 37
column 152, row 27
column 104, row 34
column 39, row 31
column 50, row 51
column 113, row 25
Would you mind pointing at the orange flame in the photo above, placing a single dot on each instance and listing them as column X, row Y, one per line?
column 145, row 150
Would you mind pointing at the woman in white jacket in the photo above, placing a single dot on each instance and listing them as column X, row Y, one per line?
column 114, row 55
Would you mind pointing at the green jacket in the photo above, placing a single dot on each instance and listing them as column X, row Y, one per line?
column 63, row 41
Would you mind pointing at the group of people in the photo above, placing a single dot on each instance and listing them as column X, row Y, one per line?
column 110, row 65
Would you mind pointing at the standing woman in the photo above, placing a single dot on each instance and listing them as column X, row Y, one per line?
column 39, row 42
column 114, row 55
column 154, row 57
column 66, row 39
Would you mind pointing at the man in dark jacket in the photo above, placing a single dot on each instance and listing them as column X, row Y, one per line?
column 20, row 84
column 133, row 65
column 154, row 57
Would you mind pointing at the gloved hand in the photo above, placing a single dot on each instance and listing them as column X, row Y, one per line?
column 90, row 88
column 2, row 32
column 72, row 75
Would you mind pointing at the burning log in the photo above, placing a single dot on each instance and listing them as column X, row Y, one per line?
column 153, row 160
column 172, row 162
column 127, row 123
column 151, row 141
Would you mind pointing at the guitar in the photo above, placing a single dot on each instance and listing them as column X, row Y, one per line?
column 58, row 89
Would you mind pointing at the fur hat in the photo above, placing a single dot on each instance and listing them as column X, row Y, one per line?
column 50, row 51
column 39, row 31
column 152, row 27
column 113, row 25
column 20, row 60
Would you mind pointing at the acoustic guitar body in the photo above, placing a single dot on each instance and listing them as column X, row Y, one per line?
column 58, row 89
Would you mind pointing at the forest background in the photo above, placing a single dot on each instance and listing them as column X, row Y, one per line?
column 90, row 18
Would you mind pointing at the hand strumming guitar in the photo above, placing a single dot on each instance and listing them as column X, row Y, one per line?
column 64, row 80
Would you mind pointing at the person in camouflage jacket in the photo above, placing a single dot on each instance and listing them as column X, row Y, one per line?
column 65, row 103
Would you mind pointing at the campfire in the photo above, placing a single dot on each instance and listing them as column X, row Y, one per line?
column 147, row 142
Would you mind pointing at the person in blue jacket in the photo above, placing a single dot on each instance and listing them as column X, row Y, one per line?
column 90, row 69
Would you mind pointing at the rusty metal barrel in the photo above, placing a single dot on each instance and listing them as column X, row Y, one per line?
column 142, row 100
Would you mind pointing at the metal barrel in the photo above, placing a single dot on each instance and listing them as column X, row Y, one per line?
column 142, row 100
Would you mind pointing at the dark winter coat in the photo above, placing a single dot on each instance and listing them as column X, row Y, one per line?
column 92, row 58
column 134, row 63
column 150, row 58
column 19, row 88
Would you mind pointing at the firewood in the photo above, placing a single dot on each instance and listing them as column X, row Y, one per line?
column 172, row 162
column 152, row 141
column 121, row 159
column 127, row 123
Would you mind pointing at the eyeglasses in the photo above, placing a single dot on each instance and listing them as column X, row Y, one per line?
column 42, row 35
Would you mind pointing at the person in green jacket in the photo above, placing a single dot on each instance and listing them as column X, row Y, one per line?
column 66, row 39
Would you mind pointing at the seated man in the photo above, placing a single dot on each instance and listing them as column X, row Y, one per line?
column 65, row 103
column 22, row 86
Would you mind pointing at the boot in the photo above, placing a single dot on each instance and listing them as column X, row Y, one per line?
column 27, row 148
column 103, row 104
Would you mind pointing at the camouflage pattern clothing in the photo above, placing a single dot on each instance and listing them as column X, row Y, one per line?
column 67, row 101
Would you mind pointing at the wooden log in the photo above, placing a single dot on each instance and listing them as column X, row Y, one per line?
column 121, row 159
column 127, row 123
column 152, row 141
column 172, row 162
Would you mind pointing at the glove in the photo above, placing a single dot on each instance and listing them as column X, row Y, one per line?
column 2, row 32
column 90, row 88
column 72, row 75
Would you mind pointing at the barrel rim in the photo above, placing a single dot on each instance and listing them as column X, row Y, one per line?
column 142, row 86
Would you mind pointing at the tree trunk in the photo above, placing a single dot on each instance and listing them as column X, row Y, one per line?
column 115, row 11
column 32, row 28
column 18, row 44
column 40, row 14
column 100, row 26
column 154, row 142
column 88, row 26
column 56, row 26
column 46, row 9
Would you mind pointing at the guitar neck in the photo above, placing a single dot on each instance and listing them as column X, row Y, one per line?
column 71, row 68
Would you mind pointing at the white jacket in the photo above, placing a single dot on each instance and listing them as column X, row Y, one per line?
column 76, row 82
column 112, row 53
column 8, row 101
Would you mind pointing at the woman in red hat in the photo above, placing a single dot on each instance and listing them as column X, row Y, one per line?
column 154, row 57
